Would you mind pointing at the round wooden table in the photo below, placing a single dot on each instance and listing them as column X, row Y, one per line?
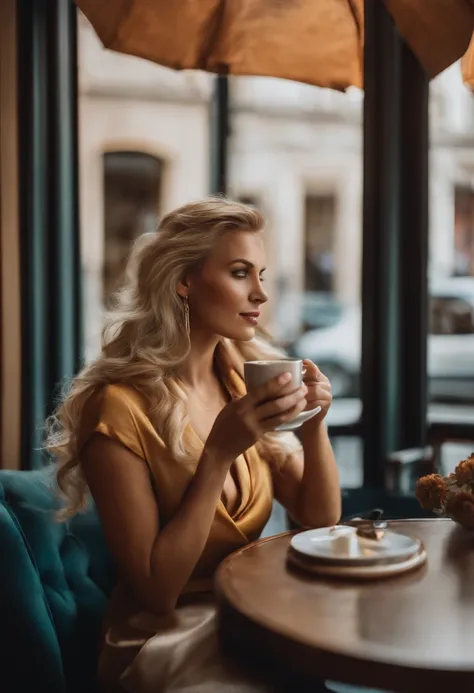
column 407, row 634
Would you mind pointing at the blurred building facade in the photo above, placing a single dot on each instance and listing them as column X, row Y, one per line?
column 295, row 152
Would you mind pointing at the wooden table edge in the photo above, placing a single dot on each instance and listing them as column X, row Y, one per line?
column 316, row 661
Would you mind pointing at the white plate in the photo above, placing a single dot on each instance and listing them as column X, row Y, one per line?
column 320, row 544
column 299, row 419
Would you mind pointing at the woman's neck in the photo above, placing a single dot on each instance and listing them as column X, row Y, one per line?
column 199, row 365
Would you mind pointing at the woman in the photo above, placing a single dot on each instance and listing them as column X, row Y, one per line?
column 182, row 463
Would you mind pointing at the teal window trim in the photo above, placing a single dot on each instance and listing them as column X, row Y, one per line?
column 49, row 216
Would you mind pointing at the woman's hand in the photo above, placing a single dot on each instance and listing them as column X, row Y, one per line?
column 243, row 421
column 319, row 392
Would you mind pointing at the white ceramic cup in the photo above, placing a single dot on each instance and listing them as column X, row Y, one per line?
column 259, row 372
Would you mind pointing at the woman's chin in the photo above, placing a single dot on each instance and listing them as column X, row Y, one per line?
column 245, row 334
column 249, row 336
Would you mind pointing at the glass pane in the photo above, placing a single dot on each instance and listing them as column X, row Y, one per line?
column 144, row 150
column 452, row 454
column 451, row 257
column 296, row 152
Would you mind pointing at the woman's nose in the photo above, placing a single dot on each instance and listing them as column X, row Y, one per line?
column 258, row 295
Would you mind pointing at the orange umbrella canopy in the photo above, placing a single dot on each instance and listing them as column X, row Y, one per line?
column 438, row 31
column 315, row 41
column 467, row 65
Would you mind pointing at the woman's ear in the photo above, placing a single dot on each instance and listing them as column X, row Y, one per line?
column 182, row 288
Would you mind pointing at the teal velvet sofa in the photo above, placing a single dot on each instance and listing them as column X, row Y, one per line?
column 55, row 579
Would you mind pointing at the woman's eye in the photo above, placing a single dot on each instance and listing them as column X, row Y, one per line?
column 243, row 273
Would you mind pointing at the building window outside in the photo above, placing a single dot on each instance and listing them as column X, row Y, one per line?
column 250, row 200
column 320, row 215
column 463, row 231
column 132, row 197
column 451, row 316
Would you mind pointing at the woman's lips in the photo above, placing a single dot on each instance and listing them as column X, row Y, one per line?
column 252, row 318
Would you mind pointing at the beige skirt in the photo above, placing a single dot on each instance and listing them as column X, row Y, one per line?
column 176, row 654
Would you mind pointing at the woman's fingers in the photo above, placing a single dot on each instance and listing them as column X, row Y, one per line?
column 312, row 372
column 272, row 389
column 274, row 421
column 321, row 391
column 282, row 406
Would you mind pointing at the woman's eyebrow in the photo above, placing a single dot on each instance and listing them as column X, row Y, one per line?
column 247, row 263
column 244, row 262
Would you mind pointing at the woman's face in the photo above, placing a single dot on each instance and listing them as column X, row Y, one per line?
column 226, row 294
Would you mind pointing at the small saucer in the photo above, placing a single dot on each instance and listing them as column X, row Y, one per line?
column 328, row 545
column 299, row 420
column 357, row 572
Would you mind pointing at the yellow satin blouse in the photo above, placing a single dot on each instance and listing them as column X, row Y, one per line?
column 119, row 412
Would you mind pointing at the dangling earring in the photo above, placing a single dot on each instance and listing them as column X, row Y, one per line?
column 186, row 316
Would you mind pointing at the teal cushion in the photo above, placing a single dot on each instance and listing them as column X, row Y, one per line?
column 55, row 579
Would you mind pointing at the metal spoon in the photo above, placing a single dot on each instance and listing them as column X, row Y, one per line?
column 370, row 527
column 372, row 530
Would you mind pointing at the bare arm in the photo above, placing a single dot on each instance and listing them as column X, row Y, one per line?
column 156, row 563
column 308, row 484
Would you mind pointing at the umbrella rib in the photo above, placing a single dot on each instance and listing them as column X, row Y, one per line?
column 212, row 33
column 358, row 20
column 358, row 15
column 127, row 11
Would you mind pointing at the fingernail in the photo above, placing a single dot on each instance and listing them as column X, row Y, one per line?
column 285, row 378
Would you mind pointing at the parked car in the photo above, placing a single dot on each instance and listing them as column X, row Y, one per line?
column 337, row 349
column 319, row 309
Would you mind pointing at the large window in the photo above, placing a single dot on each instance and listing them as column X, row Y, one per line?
column 296, row 152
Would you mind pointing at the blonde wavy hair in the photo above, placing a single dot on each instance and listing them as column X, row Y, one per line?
column 144, row 341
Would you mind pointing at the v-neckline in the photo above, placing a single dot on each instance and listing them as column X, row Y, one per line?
column 242, row 476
